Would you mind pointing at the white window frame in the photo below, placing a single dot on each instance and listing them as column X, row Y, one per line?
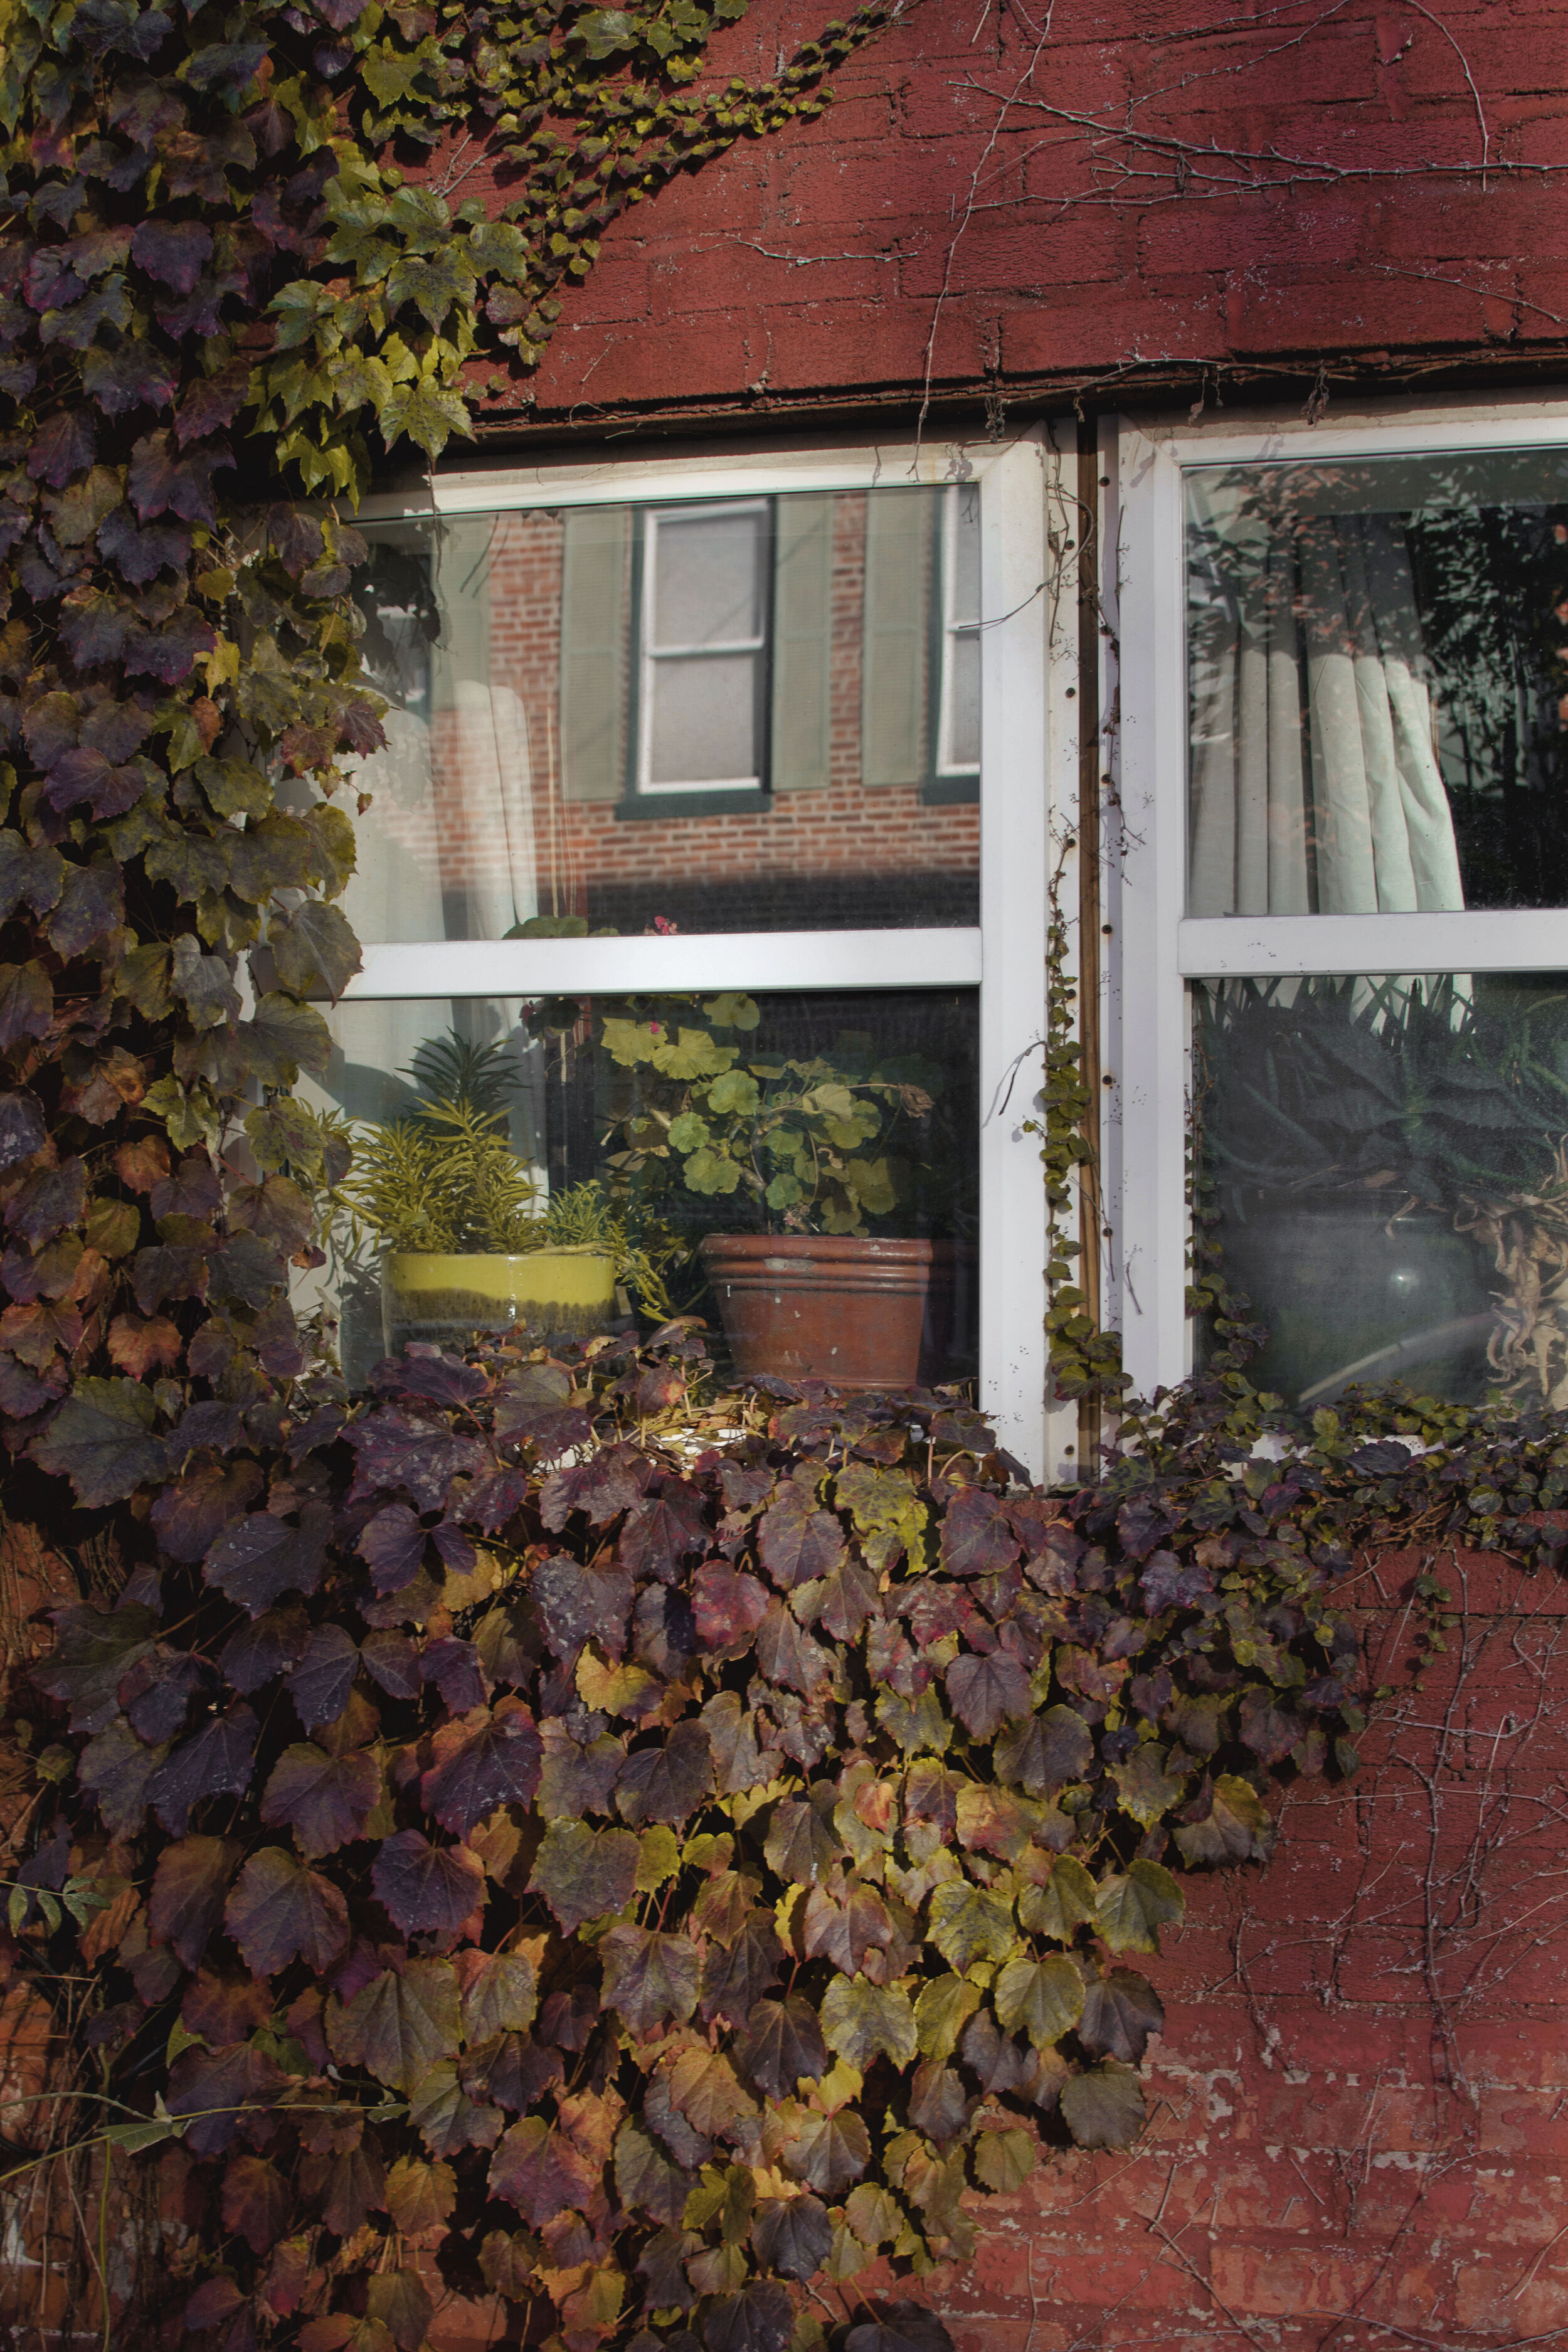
column 650, row 654
column 1028, row 763
column 1162, row 949
column 953, row 627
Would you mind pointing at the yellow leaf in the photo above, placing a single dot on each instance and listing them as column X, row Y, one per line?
column 221, row 666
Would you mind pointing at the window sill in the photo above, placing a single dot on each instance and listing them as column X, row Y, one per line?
column 642, row 807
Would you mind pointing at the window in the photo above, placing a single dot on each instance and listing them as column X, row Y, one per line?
column 703, row 687
column 789, row 1002
column 1345, row 954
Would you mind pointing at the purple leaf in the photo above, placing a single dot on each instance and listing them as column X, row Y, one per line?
column 394, row 1450
column 137, row 375
column 1169, row 1582
column 424, row 1889
column 393, row 1544
column 480, row 1765
column 261, row 1556
column 216, row 1763
column 172, row 251
column 66, row 444
column 320, row 1685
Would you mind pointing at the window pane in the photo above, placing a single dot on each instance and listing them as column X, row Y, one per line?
column 963, row 522
column 704, row 720
column 524, row 704
column 801, row 1170
column 964, row 709
column 1391, row 1180
column 707, row 586
column 1378, row 675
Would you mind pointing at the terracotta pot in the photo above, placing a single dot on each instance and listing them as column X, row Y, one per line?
column 444, row 1300
column 863, row 1314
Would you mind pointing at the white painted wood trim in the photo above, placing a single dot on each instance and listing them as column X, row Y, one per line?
column 708, row 961
column 1505, row 938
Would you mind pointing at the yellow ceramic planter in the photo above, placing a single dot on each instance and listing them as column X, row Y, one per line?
column 444, row 1300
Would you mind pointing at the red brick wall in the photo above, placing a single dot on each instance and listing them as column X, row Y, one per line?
column 1360, row 2128
column 1148, row 192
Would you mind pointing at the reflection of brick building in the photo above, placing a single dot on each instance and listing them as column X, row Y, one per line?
column 506, row 759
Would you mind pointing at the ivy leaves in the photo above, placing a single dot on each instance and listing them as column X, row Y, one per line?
column 589, row 1926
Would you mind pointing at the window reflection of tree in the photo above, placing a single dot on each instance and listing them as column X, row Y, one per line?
column 402, row 625
column 1491, row 591
column 1492, row 580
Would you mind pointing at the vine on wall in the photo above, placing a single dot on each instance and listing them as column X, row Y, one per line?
column 653, row 1885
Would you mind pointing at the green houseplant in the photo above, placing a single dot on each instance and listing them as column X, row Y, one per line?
column 1387, row 1165
column 796, row 1165
column 469, row 1241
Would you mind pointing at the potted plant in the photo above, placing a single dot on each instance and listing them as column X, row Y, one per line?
column 1386, row 1158
column 806, row 1161
column 468, row 1243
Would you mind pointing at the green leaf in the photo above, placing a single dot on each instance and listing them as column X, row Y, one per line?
column 1004, row 2160
column 1236, row 1828
column 945, row 2007
column 426, row 415
column 1146, row 1790
column 1104, row 2107
column 1066, row 1902
column 101, row 1439
column 707, row 1172
column 315, row 950
column 584, row 1874
column 1042, row 1997
column 859, row 2018
column 433, row 283
column 1132, row 1910
column 970, row 1924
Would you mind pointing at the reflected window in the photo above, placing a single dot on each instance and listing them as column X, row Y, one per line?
column 727, row 715
column 704, row 670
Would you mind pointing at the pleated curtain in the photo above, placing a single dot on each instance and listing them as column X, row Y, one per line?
column 1314, row 781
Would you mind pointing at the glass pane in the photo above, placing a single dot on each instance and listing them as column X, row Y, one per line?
column 801, row 1171
column 963, row 522
column 1378, row 684
column 707, row 588
column 963, row 713
column 1389, row 1176
column 704, row 720
column 524, row 710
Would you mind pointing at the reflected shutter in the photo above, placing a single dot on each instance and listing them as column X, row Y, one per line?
column 893, row 719
column 596, row 593
column 802, row 639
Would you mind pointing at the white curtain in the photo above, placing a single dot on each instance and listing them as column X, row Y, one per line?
column 1315, row 784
